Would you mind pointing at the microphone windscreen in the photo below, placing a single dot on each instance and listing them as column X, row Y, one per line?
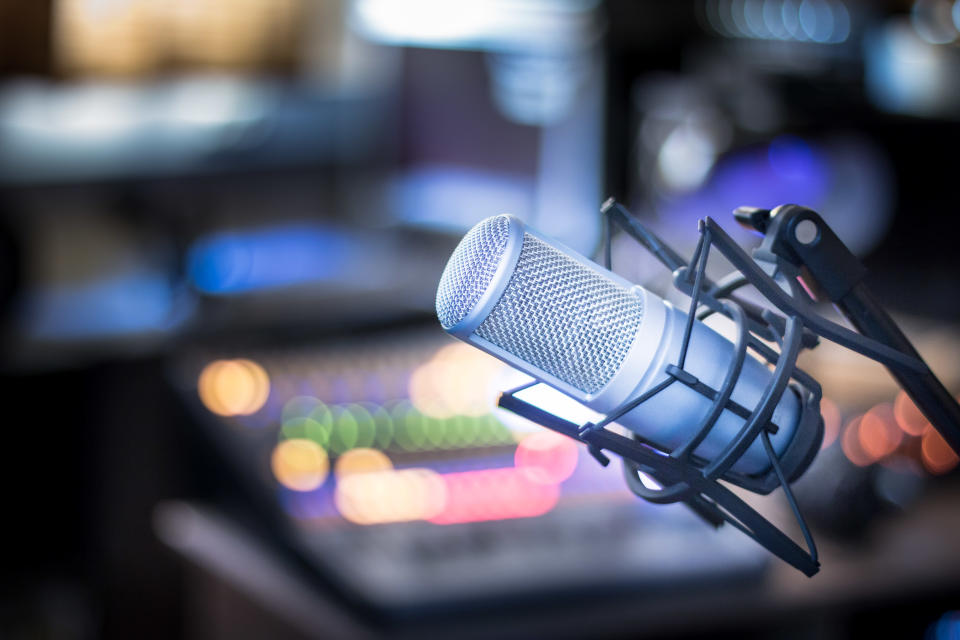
column 553, row 311
column 470, row 269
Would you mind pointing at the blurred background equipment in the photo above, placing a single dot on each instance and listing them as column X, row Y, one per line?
column 230, row 409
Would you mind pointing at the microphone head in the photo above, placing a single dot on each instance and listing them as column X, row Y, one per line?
column 472, row 267
column 538, row 305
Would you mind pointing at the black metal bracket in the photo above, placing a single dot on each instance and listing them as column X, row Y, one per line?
column 798, row 237
column 797, row 244
column 791, row 249
column 681, row 474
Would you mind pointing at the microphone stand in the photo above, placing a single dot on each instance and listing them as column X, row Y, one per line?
column 797, row 245
column 800, row 237
column 800, row 243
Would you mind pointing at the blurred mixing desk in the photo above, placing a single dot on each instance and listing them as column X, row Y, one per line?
column 368, row 485
column 382, row 460
column 902, row 579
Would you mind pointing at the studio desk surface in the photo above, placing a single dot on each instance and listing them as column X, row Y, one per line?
column 904, row 558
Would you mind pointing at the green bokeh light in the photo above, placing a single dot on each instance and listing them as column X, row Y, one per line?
column 345, row 431
column 299, row 407
column 410, row 428
column 397, row 426
column 366, row 426
column 452, row 433
column 383, row 425
column 434, row 429
column 306, row 417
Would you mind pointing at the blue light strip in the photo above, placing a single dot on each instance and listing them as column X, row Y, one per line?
column 239, row 262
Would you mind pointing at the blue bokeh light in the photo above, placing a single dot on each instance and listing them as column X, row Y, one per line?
column 787, row 170
column 238, row 262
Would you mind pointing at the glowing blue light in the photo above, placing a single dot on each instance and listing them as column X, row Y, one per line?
column 267, row 258
column 773, row 20
column 723, row 24
column 820, row 21
column 753, row 13
column 816, row 19
column 308, row 505
column 905, row 73
column 686, row 157
column 555, row 402
column 792, row 158
column 739, row 15
column 455, row 198
column 933, row 21
column 946, row 628
column 126, row 304
column 790, row 14
column 841, row 24
column 787, row 170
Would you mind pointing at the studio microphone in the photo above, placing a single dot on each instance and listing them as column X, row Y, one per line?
column 602, row 340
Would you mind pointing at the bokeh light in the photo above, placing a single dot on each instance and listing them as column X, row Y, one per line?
column 908, row 416
column 399, row 426
column 299, row 407
column 299, row 464
column 134, row 37
column 346, row 430
column 937, row 456
column 850, row 442
column 547, row 457
column 382, row 424
column 456, row 381
column 307, row 417
column 932, row 21
column 361, row 461
column 494, row 494
column 413, row 430
column 233, row 387
column 889, row 433
column 878, row 434
column 832, row 421
column 819, row 21
column 410, row 431
column 947, row 626
column 390, row 496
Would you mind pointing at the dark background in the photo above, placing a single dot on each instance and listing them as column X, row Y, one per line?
column 192, row 181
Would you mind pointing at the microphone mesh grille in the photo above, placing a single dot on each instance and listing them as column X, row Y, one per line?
column 470, row 269
column 564, row 318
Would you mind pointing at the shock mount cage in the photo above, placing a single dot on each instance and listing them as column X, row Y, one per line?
column 681, row 475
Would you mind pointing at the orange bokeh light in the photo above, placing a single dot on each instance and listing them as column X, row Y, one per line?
column 390, row 496
column 299, row 464
column 125, row 37
column 361, row 460
column 850, row 442
column 938, row 457
column 908, row 416
column 233, row 387
column 831, row 421
column 878, row 433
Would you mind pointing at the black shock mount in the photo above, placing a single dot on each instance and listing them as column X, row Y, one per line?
column 797, row 245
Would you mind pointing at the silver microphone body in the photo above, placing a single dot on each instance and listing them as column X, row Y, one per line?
column 561, row 318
